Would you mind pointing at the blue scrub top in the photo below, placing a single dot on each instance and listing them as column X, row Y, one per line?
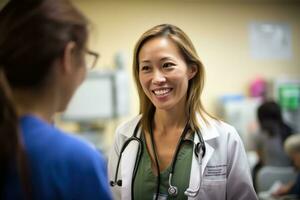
column 61, row 165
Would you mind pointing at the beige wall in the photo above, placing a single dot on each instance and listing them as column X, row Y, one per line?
column 219, row 32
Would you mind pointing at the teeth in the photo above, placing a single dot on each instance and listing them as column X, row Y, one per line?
column 161, row 91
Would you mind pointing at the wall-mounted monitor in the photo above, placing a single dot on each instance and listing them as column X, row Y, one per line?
column 94, row 99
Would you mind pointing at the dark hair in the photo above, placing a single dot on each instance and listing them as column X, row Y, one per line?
column 33, row 33
column 270, row 119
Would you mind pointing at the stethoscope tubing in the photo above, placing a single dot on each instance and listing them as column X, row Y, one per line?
column 199, row 146
column 184, row 132
column 156, row 163
column 126, row 143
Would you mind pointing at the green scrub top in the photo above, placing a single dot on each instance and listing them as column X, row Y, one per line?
column 145, row 181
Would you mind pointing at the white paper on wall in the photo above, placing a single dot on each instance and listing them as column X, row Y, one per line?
column 270, row 40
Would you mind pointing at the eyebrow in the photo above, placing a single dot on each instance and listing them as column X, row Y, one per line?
column 144, row 61
column 162, row 59
column 166, row 58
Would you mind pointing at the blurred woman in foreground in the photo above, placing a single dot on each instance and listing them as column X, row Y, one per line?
column 42, row 62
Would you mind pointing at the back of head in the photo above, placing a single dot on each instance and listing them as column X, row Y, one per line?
column 190, row 56
column 270, row 119
column 269, row 110
column 33, row 34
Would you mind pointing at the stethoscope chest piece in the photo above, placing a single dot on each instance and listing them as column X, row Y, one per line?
column 173, row 191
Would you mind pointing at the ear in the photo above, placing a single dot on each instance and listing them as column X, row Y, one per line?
column 192, row 71
column 68, row 58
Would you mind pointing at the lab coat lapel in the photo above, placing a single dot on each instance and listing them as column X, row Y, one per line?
column 209, row 152
column 195, row 169
column 127, row 166
column 208, row 132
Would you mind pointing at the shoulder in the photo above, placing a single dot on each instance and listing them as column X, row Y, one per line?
column 127, row 128
column 123, row 132
column 227, row 130
column 77, row 152
column 223, row 137
column 81, row 168
column 79, row 164
column 60, row 158
column 53, row 146
column 218, row 129
column 229, row 134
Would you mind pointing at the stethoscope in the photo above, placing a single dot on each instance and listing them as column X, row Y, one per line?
column 199, row 151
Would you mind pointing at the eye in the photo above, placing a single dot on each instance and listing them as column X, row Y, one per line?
column 168, row 65
column 145, row 68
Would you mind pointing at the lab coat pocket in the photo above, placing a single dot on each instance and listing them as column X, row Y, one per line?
column 213, row 189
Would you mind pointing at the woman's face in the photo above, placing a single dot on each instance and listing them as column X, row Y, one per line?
column 164, row 74
column 74, row 78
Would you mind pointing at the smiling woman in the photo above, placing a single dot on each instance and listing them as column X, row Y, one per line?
column 178, row 150
column 164, row 75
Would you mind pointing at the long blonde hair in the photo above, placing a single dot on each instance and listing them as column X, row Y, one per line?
column 194, row 104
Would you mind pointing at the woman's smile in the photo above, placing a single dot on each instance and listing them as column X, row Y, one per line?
column 162, row 91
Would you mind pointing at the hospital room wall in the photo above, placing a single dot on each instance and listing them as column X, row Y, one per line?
column 220, row 32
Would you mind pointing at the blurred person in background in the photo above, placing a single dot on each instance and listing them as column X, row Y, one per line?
column 292, row 148
column 42, row 62
column 270, row 138
column 174, row 149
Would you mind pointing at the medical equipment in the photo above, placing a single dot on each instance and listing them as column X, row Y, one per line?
column 199, row 151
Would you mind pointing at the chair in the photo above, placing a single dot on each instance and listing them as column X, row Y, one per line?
column 268, row 175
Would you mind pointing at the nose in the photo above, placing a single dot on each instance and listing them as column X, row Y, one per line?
column 158, row 77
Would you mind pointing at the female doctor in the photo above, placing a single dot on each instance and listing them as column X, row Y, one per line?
column 174, row 149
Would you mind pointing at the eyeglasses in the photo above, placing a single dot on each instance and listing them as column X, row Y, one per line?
column 91, row 58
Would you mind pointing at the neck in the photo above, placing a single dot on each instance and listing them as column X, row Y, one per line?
column 165, row 121
column 35, row 103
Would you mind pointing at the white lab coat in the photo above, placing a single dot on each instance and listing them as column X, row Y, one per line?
column 225, row 170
